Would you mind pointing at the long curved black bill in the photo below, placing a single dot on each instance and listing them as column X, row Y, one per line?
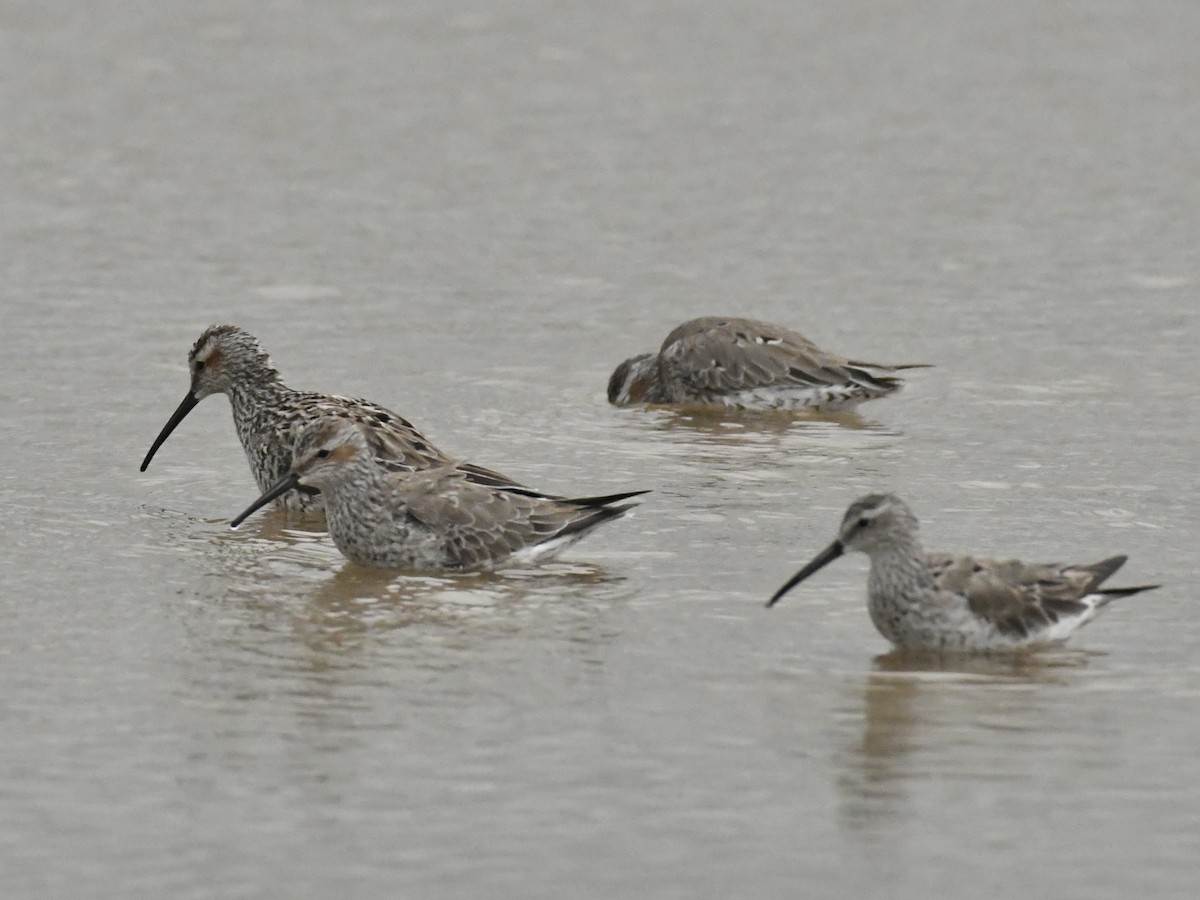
column 820, row 561
column 278, row 489
column 188, row 404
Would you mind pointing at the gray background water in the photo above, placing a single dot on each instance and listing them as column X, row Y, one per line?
column 471, row 213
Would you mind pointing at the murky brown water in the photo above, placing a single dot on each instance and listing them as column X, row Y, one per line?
column 472, row 216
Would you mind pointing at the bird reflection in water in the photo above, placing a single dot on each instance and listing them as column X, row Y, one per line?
column 913, row 705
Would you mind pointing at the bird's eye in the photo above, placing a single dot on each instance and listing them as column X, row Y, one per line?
column 322, row 454
column 199, row 364
column 862, row 523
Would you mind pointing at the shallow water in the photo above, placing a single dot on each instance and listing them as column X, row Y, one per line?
column 472, row 216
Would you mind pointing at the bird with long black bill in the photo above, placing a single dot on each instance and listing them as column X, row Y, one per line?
column 435, row 519
column 943, row 602
column 268, row 415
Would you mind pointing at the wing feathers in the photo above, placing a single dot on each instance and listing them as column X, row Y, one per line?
column 1020, row 599
column 715, row 355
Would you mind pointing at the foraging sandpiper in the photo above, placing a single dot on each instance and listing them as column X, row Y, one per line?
column 939, row 602
column 268, row 414
column 434, row 519
column 736, row 363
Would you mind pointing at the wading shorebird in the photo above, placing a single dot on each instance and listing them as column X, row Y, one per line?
column 735, row 363
column 434, row 519
column 268, row 414
column 939, row 602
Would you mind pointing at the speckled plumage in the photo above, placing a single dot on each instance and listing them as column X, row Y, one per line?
column 434, row 519
column 746, row 364
column 268, row 416
column 941, row 602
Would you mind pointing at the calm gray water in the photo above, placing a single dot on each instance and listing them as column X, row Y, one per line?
column 471, row 214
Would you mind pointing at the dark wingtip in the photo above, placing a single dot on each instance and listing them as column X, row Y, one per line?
column 596, row 517
column 1111, row 594
column 607, row 499
column 1103, row 570
column 890, row 366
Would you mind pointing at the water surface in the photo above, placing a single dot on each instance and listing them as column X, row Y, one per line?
column 472, row 215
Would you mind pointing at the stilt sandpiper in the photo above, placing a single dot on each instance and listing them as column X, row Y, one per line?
column 434, row 519
column 267, row 414
column 939, row 602
column 745, row 364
